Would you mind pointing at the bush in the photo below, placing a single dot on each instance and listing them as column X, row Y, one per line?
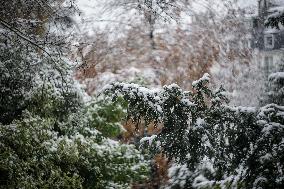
column 54, row 141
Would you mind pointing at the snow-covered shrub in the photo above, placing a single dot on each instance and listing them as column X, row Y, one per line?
column 211, row 144
column 26, row 159
column 15, row 83
column 33, row 155
column 54, row 145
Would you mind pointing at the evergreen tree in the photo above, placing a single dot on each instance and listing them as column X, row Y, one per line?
column 211, row 144
column 276, row 19
column 275, row 88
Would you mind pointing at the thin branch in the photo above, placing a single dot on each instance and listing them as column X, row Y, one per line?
column 22, row 36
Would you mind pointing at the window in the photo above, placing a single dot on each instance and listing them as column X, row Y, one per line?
column 249, row 43
column 255, row 23
column 192, row 19
column 268, row 64
column 269, row 41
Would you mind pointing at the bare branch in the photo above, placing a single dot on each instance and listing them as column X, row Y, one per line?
column 23, row 36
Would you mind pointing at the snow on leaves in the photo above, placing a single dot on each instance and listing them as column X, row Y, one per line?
column 210, row 143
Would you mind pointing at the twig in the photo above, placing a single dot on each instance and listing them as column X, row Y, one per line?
column 22, row 35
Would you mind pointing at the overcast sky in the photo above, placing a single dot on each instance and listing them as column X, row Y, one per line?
column 93, row 15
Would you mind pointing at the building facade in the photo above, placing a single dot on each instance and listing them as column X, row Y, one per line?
column 268, row 41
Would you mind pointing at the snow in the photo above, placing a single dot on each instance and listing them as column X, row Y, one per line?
column 270, row 30
column 265, row 157
column 200, row 181
column 200, row 122
column 102, row 80
column 276, row 76
column 187, row 102
column 276, row 11
column 257, row 181
column 183, row 173
column 204, row 78
column 148, row 139
column 270, row 127
column 242, row 109
column 87, row 20
column 172, row 86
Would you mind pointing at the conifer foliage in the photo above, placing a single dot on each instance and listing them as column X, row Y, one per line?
column 275, row 87
column 211, row 144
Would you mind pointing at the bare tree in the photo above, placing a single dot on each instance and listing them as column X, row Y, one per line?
column 152, row 11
